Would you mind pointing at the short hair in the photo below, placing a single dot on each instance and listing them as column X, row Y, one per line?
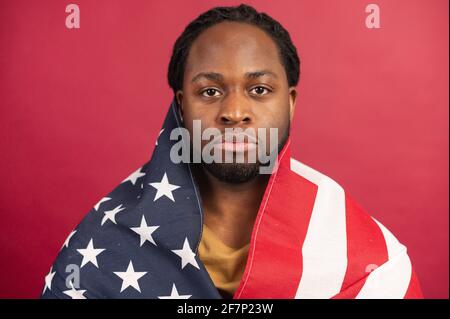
column 242, row 13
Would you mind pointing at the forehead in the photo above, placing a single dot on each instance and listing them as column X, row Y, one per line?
column 230, row 47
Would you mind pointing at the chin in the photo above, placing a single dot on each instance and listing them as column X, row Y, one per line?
column 234, row 173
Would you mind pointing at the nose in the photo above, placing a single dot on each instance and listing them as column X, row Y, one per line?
column 235, row 110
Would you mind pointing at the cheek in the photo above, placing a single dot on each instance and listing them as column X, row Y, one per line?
column 278, row 120
column 197, row 111
column 276, row 117
column 190, row 113
column 193, row 113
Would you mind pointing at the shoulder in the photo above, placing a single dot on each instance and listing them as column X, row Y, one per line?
column 365, row 235
column 372, row 262
column 102, row 238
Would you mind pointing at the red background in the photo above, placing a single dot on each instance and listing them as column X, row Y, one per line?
column 81, row 109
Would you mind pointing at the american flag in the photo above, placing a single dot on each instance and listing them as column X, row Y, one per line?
column 310, row 240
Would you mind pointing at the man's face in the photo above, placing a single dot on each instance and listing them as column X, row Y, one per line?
column 234, row 79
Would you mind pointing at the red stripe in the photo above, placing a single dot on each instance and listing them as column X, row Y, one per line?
column 414, row 291
column 274, row 264
column 366, row 248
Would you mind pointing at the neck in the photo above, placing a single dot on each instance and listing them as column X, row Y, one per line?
column 230, row 209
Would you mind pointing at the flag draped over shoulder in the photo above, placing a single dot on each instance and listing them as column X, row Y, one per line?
column 309, row 240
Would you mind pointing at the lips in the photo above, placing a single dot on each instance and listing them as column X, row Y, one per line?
column 236, row 146
column 236, row 143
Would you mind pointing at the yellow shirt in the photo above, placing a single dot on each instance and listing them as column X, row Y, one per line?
column 224, row 264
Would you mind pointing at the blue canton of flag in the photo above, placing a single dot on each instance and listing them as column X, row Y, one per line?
column 141, row 240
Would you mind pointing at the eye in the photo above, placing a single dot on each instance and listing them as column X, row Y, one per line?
column 260, row 90
column 210, row 92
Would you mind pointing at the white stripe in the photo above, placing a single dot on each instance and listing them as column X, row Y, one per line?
column 324, row 251
column 394, row 247
column 390, row 280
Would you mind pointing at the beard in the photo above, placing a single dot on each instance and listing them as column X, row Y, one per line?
column 237, row 173
column 233, row 173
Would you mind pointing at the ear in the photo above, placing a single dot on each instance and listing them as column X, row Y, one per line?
column 292, row 101
column 179, row 98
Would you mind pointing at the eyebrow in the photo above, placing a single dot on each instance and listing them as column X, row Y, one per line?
column 217, row 77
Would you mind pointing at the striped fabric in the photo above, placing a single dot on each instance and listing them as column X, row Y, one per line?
column 310, row 240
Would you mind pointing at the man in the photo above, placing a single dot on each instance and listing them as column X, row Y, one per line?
column 217, row 229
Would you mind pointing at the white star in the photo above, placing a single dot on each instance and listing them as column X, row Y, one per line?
column 164, row 188
column 130, row 277
column 145, row 231
column 48, row 280
column 66, row 243
column 90, row 254
column 133, row 177
column 75, row 294
column 187, row 255
column 159, row 136
column 175, row 295
column 104, row 199
column 111, row 214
